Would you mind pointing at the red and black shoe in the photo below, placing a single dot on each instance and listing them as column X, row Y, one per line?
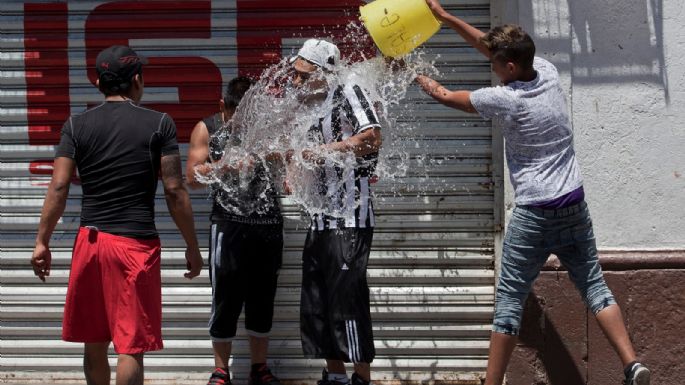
column 219, row 377
column 262, row 376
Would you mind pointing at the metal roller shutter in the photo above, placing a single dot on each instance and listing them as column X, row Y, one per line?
column 431, row 269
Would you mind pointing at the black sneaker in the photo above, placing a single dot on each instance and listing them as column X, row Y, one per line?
column 637, row 374
column 263, row 376
column 325, row 381
column 356, row 380
column 219, row 377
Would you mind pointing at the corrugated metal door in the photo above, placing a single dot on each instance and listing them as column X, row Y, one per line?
column 431, row 269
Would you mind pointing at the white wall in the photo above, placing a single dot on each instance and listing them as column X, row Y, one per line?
column 623, row 67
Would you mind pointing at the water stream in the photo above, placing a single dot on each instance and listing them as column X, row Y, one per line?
column 275, row 117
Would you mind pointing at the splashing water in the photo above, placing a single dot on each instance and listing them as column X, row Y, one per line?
column 274, row 118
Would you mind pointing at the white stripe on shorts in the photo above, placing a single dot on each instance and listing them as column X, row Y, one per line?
column 352, row 341
column 212, row 245
column 356, row 341
column 350, row 354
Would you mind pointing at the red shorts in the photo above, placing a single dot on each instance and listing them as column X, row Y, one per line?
column 115, row 292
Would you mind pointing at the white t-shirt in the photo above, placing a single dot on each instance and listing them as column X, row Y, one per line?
column 537, row 132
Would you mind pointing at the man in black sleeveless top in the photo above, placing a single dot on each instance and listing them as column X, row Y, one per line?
column 120, row 150
column 245, row 246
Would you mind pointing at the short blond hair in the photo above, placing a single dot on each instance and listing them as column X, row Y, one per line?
column 510, row 43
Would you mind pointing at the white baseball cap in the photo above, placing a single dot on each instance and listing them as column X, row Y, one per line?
column 320, row 52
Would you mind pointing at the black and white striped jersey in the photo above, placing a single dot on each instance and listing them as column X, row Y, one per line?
column 346, row 190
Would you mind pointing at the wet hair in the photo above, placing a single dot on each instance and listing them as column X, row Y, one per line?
column 510, row 43
column 111, row 84
column 235, row 90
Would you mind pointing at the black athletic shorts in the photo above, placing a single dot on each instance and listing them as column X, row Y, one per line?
column 335, row 318
column 244, row 261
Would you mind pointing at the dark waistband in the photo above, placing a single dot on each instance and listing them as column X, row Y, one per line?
column 556, row 213
column 566, row 200
column 93, row 231
column 251, row 220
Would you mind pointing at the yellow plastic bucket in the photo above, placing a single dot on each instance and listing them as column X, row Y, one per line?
column 398, row 26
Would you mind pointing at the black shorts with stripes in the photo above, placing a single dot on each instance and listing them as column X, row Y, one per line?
column 335, row 317
column 244, row 261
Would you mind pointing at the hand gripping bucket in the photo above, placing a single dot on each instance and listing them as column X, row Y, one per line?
column 398, row 26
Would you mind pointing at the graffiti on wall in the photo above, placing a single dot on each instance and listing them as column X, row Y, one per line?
column 257, row 34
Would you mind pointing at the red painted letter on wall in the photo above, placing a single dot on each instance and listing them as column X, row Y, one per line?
column 263, row 24
column 197, row 79
column 46, row 64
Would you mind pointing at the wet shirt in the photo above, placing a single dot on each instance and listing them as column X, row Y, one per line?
column 346, row 190
column 258, row 203
column 538, row 135
column 117, row 147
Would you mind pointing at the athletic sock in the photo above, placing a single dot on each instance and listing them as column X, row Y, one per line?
column 256, row 368
column 339, row 377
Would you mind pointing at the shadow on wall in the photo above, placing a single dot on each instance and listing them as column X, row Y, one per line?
column 553, row 363
column 611, row 41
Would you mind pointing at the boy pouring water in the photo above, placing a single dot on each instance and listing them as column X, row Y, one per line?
column 551, row 216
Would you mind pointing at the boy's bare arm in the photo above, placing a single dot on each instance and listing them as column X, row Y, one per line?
column 364, row 143
column 456, row 99
column 198, row 151
column 471, row 34
column 53, row 208
column 178, row 202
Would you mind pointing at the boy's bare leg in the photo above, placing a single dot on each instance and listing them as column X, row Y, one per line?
column 335, row 366
column 258, row 349
column 222, row 352
column 363, row 370
column 96, row 364
column 130, row 369
column 611, row 322
column 501, row 347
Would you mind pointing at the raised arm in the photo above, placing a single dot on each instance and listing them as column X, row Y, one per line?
column 456, row 99
column 53, row 208
column 178, row 202
column 198, row 152
column 471, row 34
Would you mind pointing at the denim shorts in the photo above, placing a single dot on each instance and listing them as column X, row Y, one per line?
column 532, row 235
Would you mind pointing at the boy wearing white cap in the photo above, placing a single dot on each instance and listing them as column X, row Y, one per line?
column 335, row 316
